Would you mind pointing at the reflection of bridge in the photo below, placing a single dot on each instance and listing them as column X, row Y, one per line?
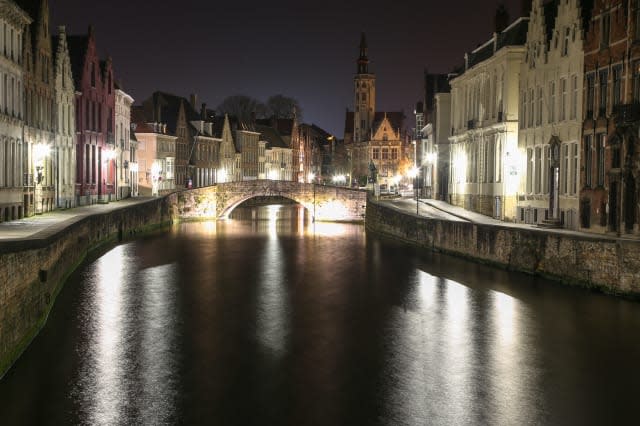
column 324, row 203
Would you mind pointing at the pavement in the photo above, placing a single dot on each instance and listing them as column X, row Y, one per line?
column 442, row 210
column 40, row 226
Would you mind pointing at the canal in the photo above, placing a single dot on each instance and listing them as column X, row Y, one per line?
column 268, row 319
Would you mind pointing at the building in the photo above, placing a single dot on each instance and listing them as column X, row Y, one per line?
column 155, row 155
column 485, row 165
column 39, row 112
column 278, row 155
column 373, row 137
column 205, row 156
column 551, row 81
column 228, row 156
column 610, row 157
column 95, row 116
column 65, row 116
column 124, row 147
column 14, row 173
column 321, row 145
column 431, row 153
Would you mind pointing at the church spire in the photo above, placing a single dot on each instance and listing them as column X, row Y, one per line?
column 363, row 60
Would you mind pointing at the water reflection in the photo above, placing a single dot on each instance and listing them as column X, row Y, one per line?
column 130, row 325
column 270, row 319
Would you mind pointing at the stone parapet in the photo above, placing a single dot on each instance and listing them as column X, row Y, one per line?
column 608, row 264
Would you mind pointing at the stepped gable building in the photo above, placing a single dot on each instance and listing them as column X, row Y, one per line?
column 610, row 157
column 95, row 116
column 39, row 110
column 485, row 167
column 551, row 101
column 372, row 136
column 14, row 173
column 228, row 157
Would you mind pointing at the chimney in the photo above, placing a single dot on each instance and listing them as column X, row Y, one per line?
column 62, row 29
column 203, row 112
column 502, row 18
column 194, row 100
column 526, row 8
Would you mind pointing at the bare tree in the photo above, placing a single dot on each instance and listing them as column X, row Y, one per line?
column 280, row 106
column 243, row 107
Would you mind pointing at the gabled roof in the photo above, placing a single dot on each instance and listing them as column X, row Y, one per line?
column 271, row 136
column 514, row 35
column 77, row 53
column 396, row 118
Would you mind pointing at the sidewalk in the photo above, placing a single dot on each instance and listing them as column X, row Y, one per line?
column 40, row 226
column 442, row 210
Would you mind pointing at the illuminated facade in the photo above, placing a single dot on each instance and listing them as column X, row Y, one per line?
column 12, row 148
column 124, row 148
column 610, row 157
column 551, row 82
column 156, row 156
column 65, row 116
column 373, row 136
column 95, row 116
column 485, row 161
column 228, row 156
column 39, row 112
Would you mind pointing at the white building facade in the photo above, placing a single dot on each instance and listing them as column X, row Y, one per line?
column 65, row 111
column 551, row 106
column 485, row 163
column 12, row 148
column 123, row 144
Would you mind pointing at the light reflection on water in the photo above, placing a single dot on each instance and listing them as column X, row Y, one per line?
column 268, row 318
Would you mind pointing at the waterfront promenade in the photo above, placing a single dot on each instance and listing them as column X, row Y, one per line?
column 41, row 226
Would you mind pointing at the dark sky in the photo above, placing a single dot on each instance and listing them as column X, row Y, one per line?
column 302, row 49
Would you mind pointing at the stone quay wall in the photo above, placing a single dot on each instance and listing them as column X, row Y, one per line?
column 33, row 270
column 608, row 264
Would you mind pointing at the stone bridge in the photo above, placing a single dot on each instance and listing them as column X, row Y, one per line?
column 324, row 203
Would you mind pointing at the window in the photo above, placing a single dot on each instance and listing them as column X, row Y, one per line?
column 603, row 92
column 394, row 153
column 376, row 153
column 563, row 99
column 565, row 42
column 538, row 169
column 93, row 74
column 574, row 169
column 552, row 101
column 545, row 169
column 636, row 18
column 617, row 85
column 574, row 97
column 385, row 153
column 539, row 112
column 530, row 166
column 564, row 169
column 591, row 93
column 605, row 27
column 600, row 146
column 588, row 161
column 531, row 107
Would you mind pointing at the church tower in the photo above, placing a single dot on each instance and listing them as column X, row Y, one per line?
column 365, row 96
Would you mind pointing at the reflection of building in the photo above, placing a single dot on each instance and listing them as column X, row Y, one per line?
column 551, row 114
column 370, row 135
column 485, row 165
column 12, row 148
column 95, row 104
column 610, row 158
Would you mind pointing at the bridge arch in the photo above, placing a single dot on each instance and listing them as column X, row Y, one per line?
column 324, row 203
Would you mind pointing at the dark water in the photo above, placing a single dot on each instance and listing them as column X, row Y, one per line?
column 265, row 321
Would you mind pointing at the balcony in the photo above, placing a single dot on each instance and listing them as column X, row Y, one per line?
column 626, row 115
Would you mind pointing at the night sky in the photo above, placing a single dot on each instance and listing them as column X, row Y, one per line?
column 306, row 50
